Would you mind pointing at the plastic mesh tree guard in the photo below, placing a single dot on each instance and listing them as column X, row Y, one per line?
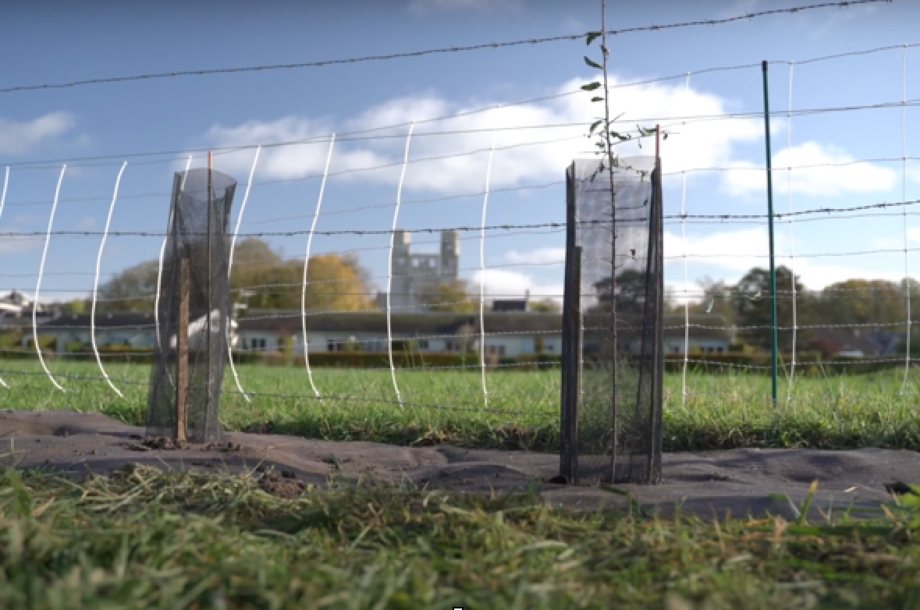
column 195, row 264
column 612, row 338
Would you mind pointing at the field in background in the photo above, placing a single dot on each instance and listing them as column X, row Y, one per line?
column 720, row 411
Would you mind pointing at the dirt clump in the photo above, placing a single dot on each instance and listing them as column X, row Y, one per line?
column 157, row 443
column 283, row 484
column 260, row 428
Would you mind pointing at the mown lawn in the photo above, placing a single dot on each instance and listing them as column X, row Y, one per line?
column 521, row 411
column 147, row 540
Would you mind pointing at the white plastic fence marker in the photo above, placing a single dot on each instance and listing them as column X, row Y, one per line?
column 156, row 303
column 683, row 229
column 402, row 177
column 6, row 183
column 92, row 315
column 907, row 286
column 482, row 276
column 306, row 264
column 38, row 285
column 239, row 219
column 795, row 320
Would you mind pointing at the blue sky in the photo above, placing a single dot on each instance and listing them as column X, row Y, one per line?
column 62, row 41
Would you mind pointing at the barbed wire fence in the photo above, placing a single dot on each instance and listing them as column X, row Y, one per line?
column 484, row 398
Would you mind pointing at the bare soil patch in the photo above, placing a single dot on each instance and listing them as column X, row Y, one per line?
column 739, row 482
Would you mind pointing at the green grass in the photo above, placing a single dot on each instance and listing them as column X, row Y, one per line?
column 142, row 539
column 719, row 412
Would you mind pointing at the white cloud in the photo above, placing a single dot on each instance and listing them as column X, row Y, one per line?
column 541, row 256
column 63, row 297
column 510, row 284
column 26, row 219
column 913, row 174
column 427, row 6
column 732, row 252
column 14, row 244
column 18, row 138
column 884, row 243
column 846, row 176
column 87, row 223
column 287, row 162
column 896, row 242
column 817, row 275
column 521, row 156
column 736, row 252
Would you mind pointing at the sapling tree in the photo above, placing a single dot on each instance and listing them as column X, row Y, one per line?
column 606, row 136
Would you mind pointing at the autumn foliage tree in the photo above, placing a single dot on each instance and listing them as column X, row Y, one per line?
column 260, row 278
column 452, row 297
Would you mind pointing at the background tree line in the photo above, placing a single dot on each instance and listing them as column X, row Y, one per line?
column 851, row 302
column 339, row 283
column 262, row 278
column 878, row 304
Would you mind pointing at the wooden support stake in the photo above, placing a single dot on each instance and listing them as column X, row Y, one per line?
column 182, row 347
column 571, row 340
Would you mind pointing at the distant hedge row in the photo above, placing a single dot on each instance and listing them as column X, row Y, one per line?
column 807, row 363
column 366, row 360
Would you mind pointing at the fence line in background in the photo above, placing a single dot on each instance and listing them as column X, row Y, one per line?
column 38, row 284
column 552, row 365
column 511, row 333
column 791, row 222
column 306, row 264
column 6, row 183
column 482, row 269
column 402, row 177
column 905, row 221
column 202, row 153
column 92, row 318
column 455, row 49
column 683, row 234
column 825, row 211
column 239, row 219
column 810, row 215
column 476, row 194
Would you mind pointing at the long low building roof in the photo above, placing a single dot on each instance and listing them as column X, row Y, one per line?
column 138, row 320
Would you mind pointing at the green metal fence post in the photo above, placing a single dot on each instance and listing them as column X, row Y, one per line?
column 774, row 340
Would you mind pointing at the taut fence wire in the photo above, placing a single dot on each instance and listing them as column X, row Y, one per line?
column 456, row 49
column 410, row 337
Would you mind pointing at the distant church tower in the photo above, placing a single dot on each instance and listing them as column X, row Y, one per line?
column 417, row 274
column 401, row 284
column 450, row 256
